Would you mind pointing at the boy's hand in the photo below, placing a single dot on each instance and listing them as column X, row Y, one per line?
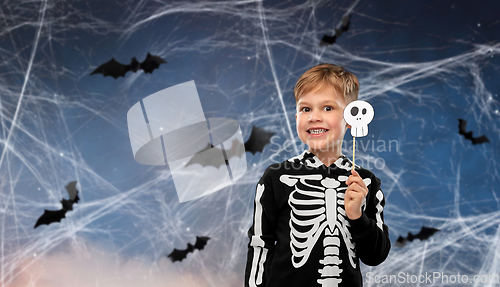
column 354, row 195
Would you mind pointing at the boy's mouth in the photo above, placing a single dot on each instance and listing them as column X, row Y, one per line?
column 317, row 131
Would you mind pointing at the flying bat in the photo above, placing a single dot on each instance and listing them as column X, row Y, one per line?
column 115, row 69
column 468, row 135
column 329, row 40
column 424, row 234
column 258, row 139
column 179, row 255
column 50, row 216
column 207, row 160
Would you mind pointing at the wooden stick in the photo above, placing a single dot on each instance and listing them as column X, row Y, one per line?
column 353, row 150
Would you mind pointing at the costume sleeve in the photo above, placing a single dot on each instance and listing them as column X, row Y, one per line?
column 261, row 233
column 369, row 232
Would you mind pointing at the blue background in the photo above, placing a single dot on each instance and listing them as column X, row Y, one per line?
column 421, row 64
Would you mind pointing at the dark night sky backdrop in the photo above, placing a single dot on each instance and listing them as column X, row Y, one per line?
column 421, row 64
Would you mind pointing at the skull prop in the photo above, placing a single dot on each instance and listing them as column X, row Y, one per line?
column 358, row 114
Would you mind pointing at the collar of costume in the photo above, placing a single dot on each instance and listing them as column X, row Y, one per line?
column 309, row 159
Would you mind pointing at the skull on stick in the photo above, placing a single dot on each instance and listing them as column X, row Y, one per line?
column 358, row 114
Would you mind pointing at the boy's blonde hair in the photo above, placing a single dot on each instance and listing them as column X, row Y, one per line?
column 343, row 82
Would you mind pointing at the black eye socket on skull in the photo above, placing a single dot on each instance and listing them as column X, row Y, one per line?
column 364, row 112
column 354, row 111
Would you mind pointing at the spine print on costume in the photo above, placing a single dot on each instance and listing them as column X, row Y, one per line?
column 317, row 209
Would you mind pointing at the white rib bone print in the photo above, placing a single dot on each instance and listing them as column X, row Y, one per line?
column 321, row 208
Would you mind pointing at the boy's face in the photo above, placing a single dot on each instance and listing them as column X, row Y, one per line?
column 321, row 109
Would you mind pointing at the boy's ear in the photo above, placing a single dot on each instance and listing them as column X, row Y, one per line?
column 295, row 117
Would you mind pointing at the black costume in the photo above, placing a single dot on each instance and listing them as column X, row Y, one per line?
column 301, row 235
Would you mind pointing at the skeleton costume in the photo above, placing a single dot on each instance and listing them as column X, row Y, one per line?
column 301, row 235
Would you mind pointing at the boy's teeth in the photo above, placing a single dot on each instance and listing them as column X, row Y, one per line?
column 317, row 131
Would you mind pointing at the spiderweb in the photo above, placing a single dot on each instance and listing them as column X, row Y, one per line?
column 58, row 124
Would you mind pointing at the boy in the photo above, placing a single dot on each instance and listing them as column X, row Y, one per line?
column 314, row 218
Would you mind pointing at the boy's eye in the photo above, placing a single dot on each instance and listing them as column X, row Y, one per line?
column 306, row 109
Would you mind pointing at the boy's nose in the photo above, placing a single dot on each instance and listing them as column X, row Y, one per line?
column 315, row 116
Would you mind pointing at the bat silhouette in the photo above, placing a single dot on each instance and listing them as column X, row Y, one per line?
column 179, row 255
column 424, row 234
column 329, row 40
column 258, row 139
column 50, row 216
column 206, row 160
column 468, row 135
column 115, row 69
